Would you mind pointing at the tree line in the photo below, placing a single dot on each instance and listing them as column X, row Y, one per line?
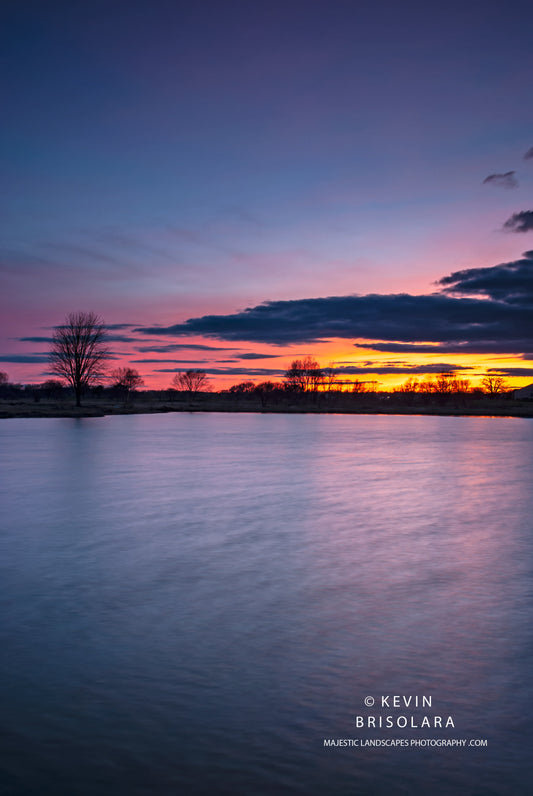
column 79, row 357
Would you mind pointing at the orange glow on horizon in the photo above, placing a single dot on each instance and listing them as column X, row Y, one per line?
column 338, row 354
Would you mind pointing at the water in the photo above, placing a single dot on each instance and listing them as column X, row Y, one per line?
column 192, row 603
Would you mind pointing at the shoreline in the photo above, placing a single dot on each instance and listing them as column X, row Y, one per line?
column 54, row 409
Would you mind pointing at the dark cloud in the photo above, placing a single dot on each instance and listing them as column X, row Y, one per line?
column 34, row 339
column 110, row 338
column 512, row 372
column 402, row 367
column 456, row 318
column 253, row 355
column 24, row 358
column 348, row 370
column 505, row 180
column 109, row 326
column 264, row 373
column 529, row 154
column 464, row 347
column 520, row 222
column 399, row 318
column 511, row 283
column 169, row 348
column 187, row 363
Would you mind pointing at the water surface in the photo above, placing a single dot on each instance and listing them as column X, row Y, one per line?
column 192, row 603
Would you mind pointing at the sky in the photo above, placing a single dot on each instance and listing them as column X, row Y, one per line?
column 231, row 185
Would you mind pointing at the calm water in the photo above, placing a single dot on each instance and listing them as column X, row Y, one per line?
column 191, row 603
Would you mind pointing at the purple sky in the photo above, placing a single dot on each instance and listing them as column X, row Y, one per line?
column 173, row 162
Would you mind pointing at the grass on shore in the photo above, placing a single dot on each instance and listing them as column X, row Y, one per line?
column 323, row 403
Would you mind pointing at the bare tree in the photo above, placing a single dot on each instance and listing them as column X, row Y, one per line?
column 79, row 351
column 330, row 379
column 462, row 385
column 494, row 385
column 444, row 383
column 3, row 377
column 243, row 387
column 52, row 388
column 126, row 379
column 266, row 389
column 427, row 385
column 191, row 381
column 411, row 385
column 304, row 375
column 358, row 386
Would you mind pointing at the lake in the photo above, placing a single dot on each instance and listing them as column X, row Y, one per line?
column 195, row 603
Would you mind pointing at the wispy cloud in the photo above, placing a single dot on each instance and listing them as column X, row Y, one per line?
column 506, row 180
column 111, row 338
column 169, row 348
column 255, row 355
column 183, row 362
column 34, row 339
column 520, row 222
column 513, row 372
column 24, row 358
column 515, row 347
column 529, row 154
column 265, row 373
column 400, row 367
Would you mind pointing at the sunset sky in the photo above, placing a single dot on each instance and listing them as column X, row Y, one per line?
column 231, row 184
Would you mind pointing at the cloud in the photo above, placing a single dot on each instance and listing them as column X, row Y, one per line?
column 169, row 348
column 401, row 367
column 464, row 347
column 506, row 180
column 24, row 358
column 375, row 369
column 398, row 318
column 264, row 373
column 480, row 309
column 511, row 283
column 34, row 339
column 111, row 338
column 512, row 372
column 183, row 362
column 529, row 154
column 253, row 355
column 520, row 222
column 118, row 338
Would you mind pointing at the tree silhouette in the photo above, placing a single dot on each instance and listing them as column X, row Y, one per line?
column 358, row 386
column 304, row 375
column 243, row 387
column 191, row 381
column 52, row 388
column 494, row 385
column 79, row 351
column 411, row 385
column 445, row 383
column 126, row 380
column 330, row 379
column 268, row 389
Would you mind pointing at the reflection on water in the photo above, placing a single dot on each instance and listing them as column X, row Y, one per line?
column 192, row 603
